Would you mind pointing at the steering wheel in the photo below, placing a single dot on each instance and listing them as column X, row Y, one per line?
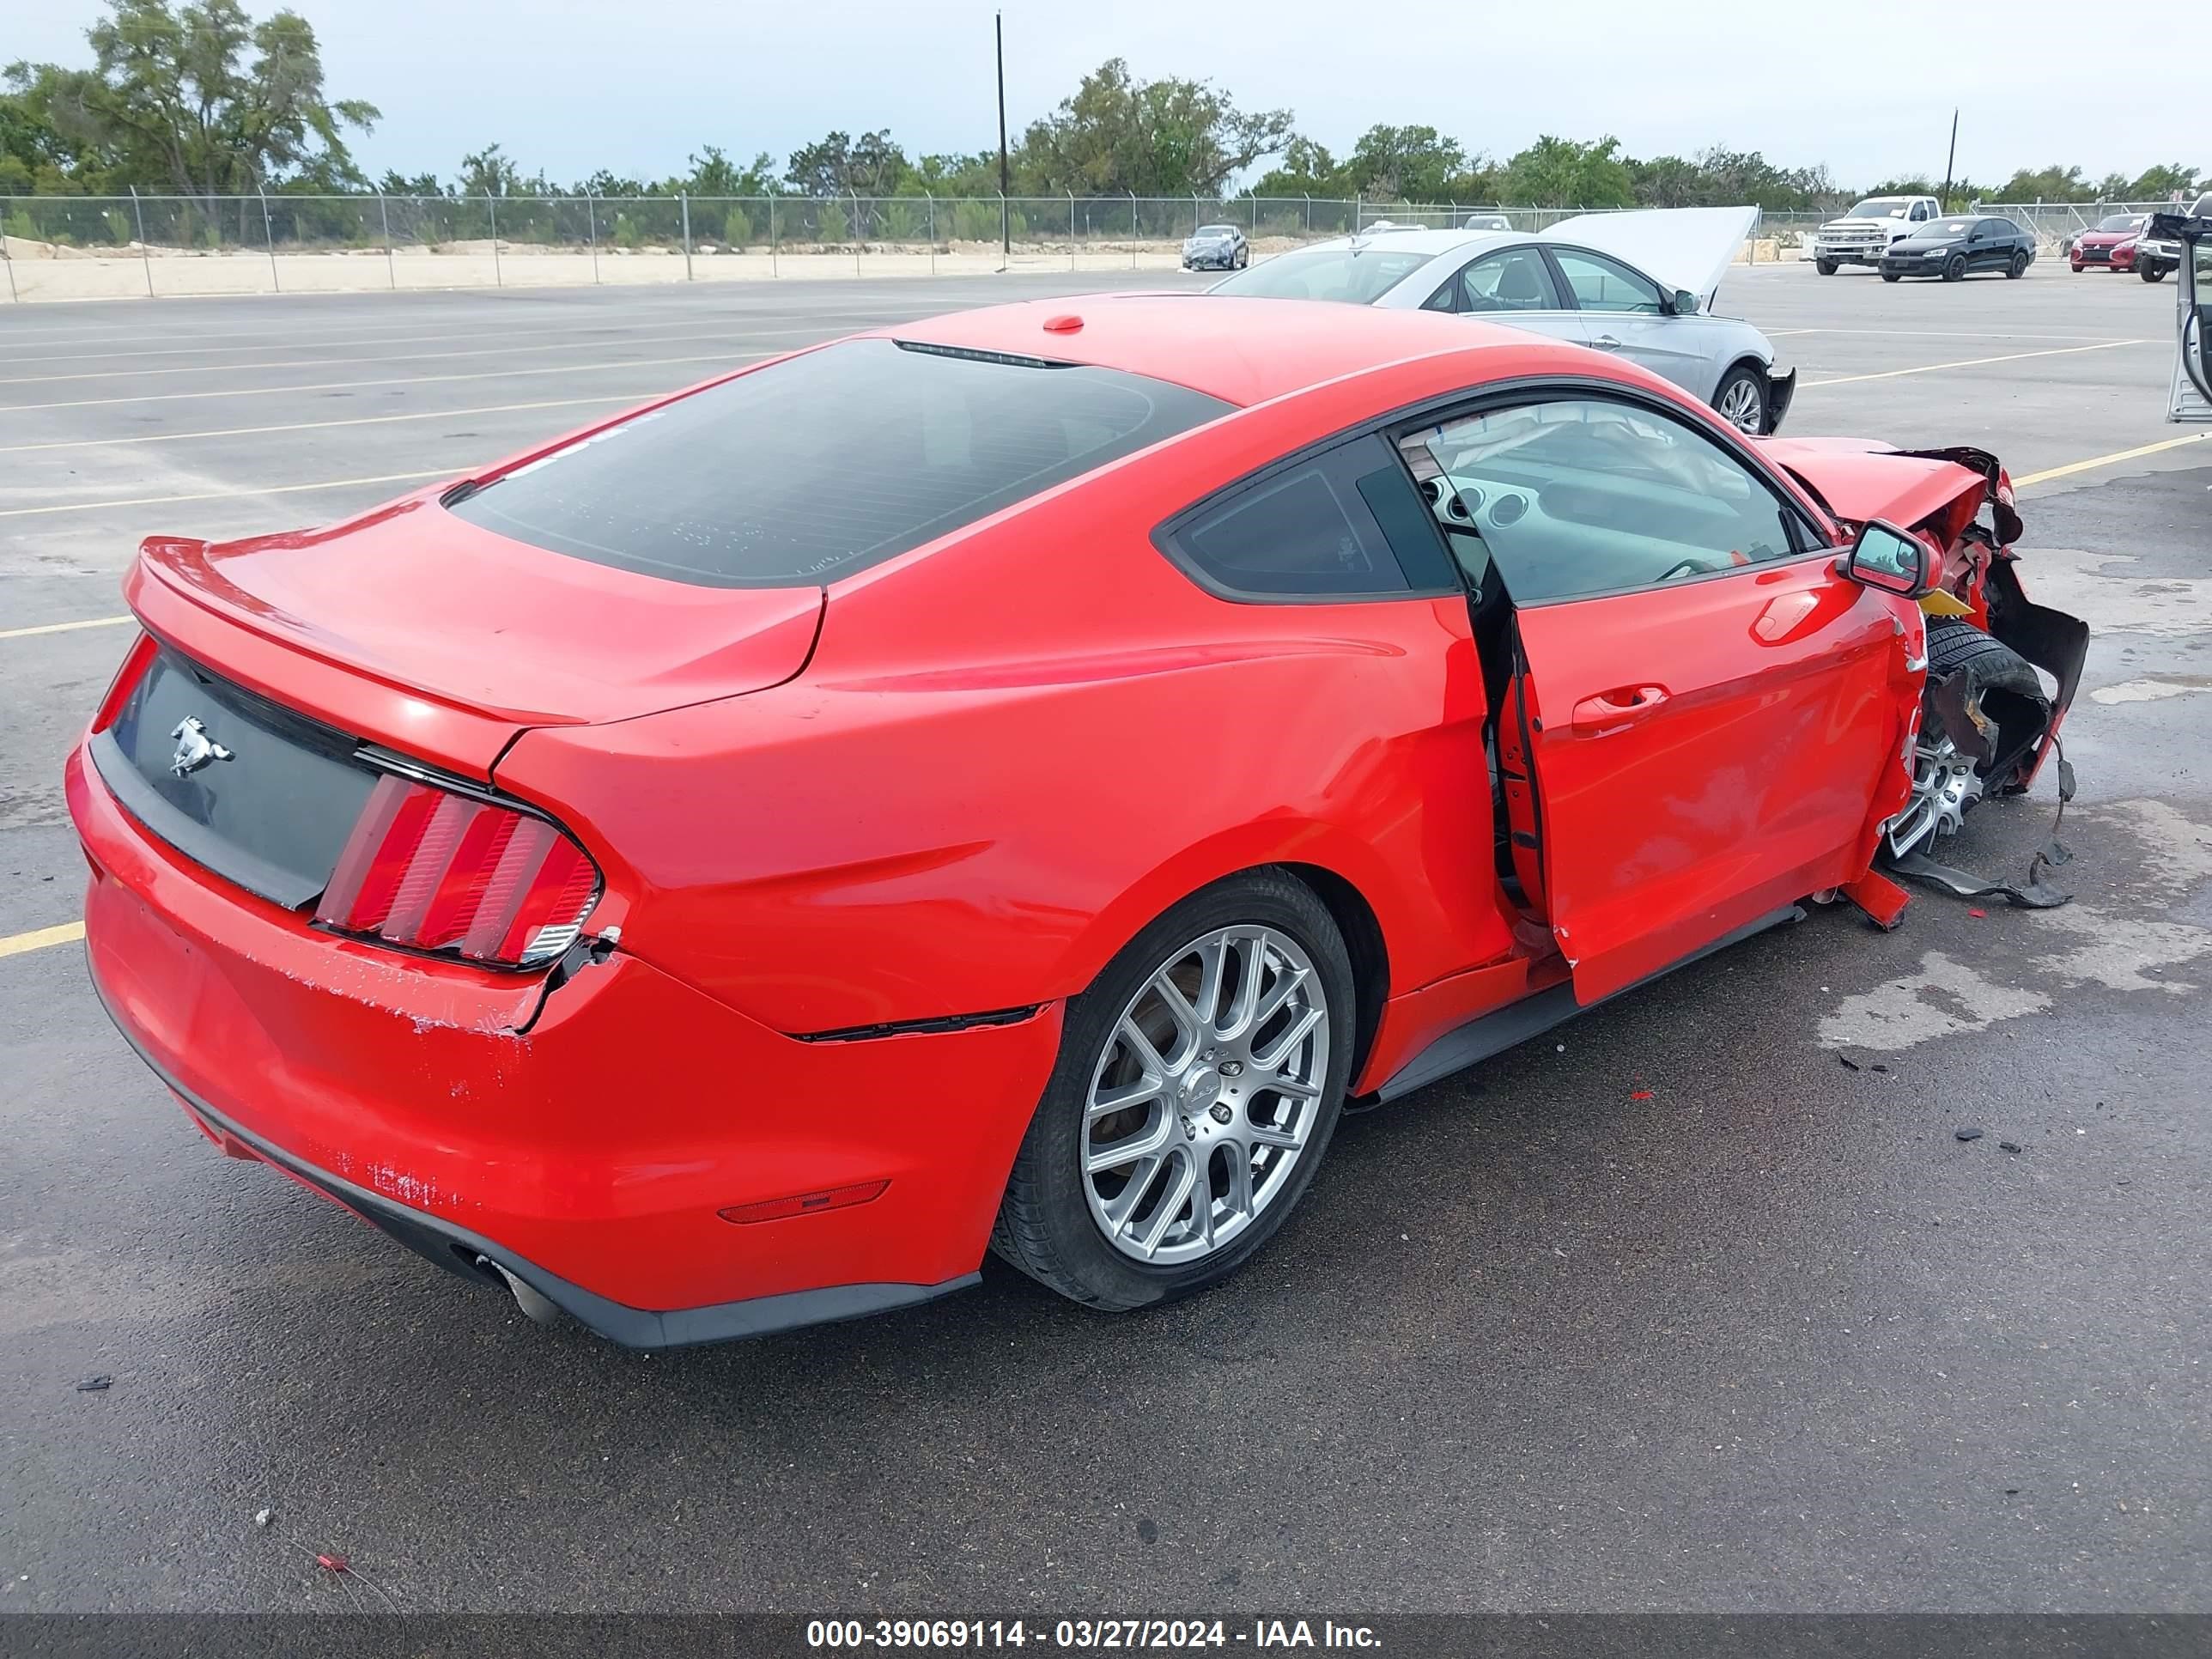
column 1686, row 568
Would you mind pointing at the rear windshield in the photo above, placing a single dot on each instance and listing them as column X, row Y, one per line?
column 813, row 468
column 1358, row 275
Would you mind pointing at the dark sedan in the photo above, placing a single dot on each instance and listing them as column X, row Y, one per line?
column 1215, row 247
column 1955, row 248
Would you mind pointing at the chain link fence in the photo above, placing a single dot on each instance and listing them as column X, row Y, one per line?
column 88, row 246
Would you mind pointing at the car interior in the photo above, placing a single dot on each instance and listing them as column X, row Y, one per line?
column 1576, row 498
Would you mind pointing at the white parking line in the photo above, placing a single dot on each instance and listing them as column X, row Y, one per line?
column 402, row 380
column 1973, row 362
column 226, row 495
column 316, row 426
column 555, row 340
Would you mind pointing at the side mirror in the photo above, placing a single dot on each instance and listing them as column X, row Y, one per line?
column 1686, row 303
column 1888, row 560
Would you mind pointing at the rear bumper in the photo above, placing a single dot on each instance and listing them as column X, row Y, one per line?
column 584, row 1140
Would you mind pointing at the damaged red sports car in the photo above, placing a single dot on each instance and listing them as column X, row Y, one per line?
column 1008, row 781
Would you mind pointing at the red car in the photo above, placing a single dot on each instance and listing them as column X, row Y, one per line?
column 1004, row 782
column 2111, row 245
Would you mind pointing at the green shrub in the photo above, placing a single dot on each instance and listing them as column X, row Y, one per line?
column 899, row 222
column 831, row 224
column 626, row 233
column 737, row 228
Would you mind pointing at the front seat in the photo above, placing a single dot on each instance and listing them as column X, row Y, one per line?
column 1517, row 288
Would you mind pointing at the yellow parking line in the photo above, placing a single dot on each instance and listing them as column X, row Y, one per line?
column 64, row 628
column 2113, row 459
column 225, row 495
column 1975, row 363
column 15, row 943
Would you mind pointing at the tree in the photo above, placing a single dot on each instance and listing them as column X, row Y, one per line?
column 1307, row 169
column 1171, row 138
column 2051, row 184
column 713, row 174
column 840, row 165
column 492, row 172
column 2163, row 184
column 1559, row 172
column 1411, row 164
column 199, row 100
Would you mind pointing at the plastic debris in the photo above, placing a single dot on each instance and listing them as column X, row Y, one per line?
column 2007, row 1146
column 1979, row 915
column 1966, row 1134
column 262, row 1518
column 94, row 1384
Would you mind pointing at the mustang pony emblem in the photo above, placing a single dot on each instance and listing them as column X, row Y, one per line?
column 195, row 749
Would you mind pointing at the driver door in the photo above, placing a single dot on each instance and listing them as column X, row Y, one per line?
column 1708, row 708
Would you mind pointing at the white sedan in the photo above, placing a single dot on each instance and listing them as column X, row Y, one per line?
column 1639, row 283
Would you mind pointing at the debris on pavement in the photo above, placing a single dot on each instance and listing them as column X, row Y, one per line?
column 341, row 1568
column 1966, row 1134
column 2007, row 1146
column 94, row 1384
column 262, row 1518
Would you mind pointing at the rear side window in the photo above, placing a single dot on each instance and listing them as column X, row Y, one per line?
column 812, row 469
column 1344, row 524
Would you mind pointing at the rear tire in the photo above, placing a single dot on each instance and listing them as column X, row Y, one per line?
column 1825, row 267
column 1954, row 268
column 2018, row 267
column 1209, row 1101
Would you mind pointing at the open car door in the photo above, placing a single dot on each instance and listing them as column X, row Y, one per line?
column 1710, row 710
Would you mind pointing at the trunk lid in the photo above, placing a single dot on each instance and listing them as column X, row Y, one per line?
column 442, row 639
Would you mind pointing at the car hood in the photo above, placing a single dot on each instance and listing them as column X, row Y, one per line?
column 1904, row 243
column 2107, row 237
column 1858, row 479
column 413, row 599
column 1689, row 248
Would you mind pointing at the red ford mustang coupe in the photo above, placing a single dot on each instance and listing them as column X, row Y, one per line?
column 1005, row 783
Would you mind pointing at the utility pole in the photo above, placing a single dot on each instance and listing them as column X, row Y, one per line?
column 1950, row 160
column 1006, row 172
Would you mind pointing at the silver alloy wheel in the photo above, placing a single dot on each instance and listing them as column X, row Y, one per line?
column 1741, row 406
column 1205, row 1094
column 1943, row 786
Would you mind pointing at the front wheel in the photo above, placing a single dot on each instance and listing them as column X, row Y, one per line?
column 1955, row 269
column 1740, row 399
column 1243, row 258
column 1825, row 267
column 2018, row 267
column 1199, row 1081
column 1893, row 275
column 2151, row 273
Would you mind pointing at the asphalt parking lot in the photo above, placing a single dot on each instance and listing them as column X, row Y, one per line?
column 1676, row 1309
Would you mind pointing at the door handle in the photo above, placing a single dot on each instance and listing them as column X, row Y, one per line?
column 1617, row 707
column 1607, row 342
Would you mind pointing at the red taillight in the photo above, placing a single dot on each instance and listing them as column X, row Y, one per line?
column 436, row 871
column 126, row 681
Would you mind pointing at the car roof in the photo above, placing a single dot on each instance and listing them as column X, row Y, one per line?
column 1242, row 351
column 1419, row 240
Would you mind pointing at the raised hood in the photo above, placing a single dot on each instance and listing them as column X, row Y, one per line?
column 1689, row 248
column 443, row 640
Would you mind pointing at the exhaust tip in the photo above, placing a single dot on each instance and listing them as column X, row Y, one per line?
column 533, row 1301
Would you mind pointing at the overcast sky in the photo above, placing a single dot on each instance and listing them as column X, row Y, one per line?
column 1867, row 87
